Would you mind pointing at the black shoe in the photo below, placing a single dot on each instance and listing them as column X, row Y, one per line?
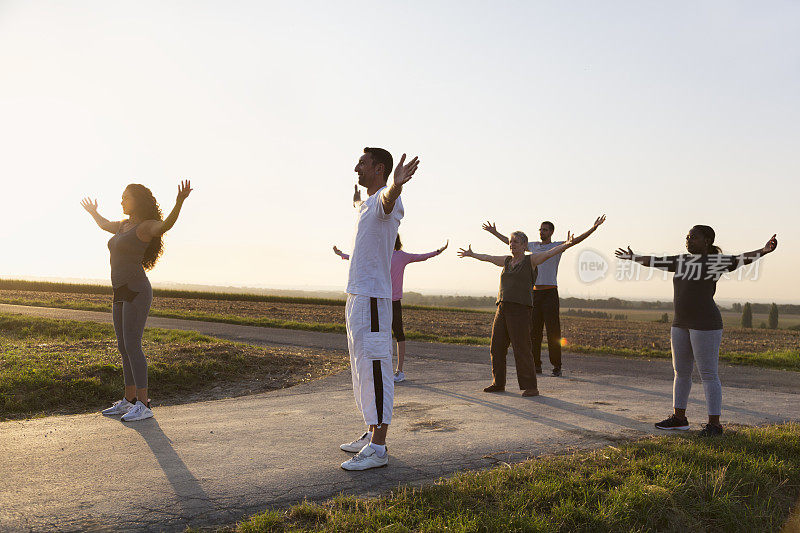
column 673, row 422
column 494, row 388
column 538, row 370
column 710, row 430
column 557, row 372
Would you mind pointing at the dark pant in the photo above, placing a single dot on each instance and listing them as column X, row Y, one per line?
column 546, row 313
column 397, row 320
column 512, row 325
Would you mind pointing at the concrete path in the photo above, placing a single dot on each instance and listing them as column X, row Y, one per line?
column 219, row 461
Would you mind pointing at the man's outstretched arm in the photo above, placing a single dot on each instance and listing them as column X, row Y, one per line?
column 491, row 228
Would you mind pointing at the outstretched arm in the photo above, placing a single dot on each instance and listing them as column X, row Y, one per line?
column 591, row 230
column 156, row 228
column 422, row 257
column 646, row 260
column 402, row 174
column 748, row 257
column 541, row 257
column 105, row 224
column 499, row 260
column 491, row 228
column 340, row 253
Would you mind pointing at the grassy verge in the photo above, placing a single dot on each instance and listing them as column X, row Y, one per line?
column 744, row 481
column 777, row 359
column 64, row 366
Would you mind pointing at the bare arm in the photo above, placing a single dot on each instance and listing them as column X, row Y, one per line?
column 491, row 228
column 340, row 253
column 748, row 257
column 156, row 228
column 105, row 224
column 541, row 257
column 402, row 174
column 646, row 260
column 499, row 260
column 591, row 230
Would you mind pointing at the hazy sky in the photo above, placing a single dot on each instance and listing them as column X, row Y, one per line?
column 660, row 114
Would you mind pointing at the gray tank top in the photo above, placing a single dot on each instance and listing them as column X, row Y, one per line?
column 127, row 252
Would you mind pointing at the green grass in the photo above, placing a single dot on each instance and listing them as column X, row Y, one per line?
column 64, row 366
column 744, row 481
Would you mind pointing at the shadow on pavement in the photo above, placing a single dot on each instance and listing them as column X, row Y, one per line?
column 193, row 500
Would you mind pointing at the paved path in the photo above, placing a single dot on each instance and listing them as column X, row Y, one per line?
column 218, row 461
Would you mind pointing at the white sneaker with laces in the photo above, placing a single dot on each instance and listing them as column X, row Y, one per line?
column 399, row 376
column 138, row 412
column 365, row 459
column 356, row 445
column 120, row 407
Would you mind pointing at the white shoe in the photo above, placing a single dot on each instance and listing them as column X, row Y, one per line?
column 365, row 459
column 356, row 445
column 399, row 376
column 138, row 412
column 120, row 407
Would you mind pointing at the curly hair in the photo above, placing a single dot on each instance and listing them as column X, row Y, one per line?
column 147, row 209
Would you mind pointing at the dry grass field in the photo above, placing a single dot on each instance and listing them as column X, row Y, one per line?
column 636, row 335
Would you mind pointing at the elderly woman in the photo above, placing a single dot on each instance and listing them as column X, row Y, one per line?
column 512, row 321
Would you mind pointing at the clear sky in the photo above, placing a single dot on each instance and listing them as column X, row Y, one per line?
column 660, row 114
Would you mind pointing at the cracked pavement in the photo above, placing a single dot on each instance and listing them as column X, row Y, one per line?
column 216, row 462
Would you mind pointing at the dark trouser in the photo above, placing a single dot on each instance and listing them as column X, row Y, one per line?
column 512, row 324
column 546, row 313
column 397, row 320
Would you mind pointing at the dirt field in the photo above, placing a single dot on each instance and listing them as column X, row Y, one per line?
column 628, row 334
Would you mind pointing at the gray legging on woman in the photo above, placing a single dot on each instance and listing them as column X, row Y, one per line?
column 129, row 319
column 700, row 346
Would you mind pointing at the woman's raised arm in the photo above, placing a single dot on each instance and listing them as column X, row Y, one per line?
column 499, row 260
column 105, row 224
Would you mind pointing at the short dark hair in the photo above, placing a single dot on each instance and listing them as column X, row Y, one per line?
column 552, row 227
column 379, row 155
column 398, row 244
column 708, row 233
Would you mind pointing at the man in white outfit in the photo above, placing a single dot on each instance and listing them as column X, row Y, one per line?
column 368, row 313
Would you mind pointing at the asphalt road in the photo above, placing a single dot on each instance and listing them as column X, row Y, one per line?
column 216, row 462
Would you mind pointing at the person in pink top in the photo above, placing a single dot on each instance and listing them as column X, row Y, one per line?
column 400, row 259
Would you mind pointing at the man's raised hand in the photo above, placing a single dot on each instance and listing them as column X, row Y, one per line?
column 403, row 173
column 599, row 220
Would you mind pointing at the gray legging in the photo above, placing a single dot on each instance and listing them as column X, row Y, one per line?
column 129, row 319
column 690, row 346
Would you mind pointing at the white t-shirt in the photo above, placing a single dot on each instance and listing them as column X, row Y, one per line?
column 548, row 271
column 373, row 244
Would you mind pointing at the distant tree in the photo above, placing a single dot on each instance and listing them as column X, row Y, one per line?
column 763, row 325
column 736, row 308
column 773, row 317
column 747, row 316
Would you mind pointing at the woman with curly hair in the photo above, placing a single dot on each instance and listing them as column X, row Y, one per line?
column 135, row 247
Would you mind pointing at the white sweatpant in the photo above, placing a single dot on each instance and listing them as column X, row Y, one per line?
column 369, row 340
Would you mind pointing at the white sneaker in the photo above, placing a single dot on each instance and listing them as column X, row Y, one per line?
column 120, row 407
column 356, row 445
column 365, row 459
column 138, row 412
column 399, row 376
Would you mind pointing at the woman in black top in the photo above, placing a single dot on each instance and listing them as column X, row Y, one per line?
column 697, row 327
column 512, row 321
